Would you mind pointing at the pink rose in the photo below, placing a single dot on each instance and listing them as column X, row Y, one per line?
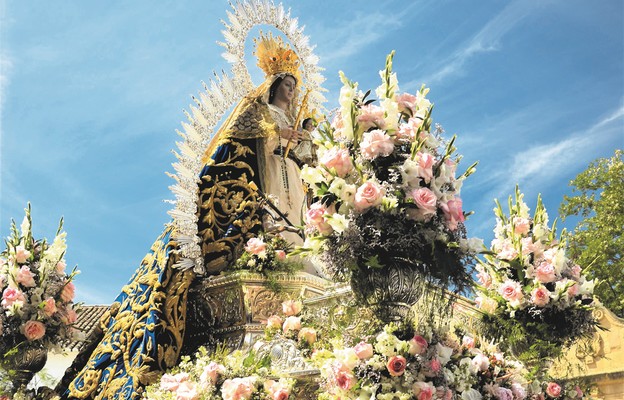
column 187, row 391
column 376, row 143
column 25, row 277
column 512, row 292
column 579, row 392
column 371, row 116
column 338, row 159
column 540, row 296
column 291, row 307
column 553, row 390
column 426, row 201
column 255, row 246
column 368, row 195
column 21, row 254
column 344, row 378
column 291, row 324
column 363, row 350
column 33, row 330
column 211, row 373
column 10, row 296
column 315, row 218
column 468, row 342
column 418, row 345
column 396, row 365
column 423, row 390
column 481, row 362
column 435, row 365
column 237, row 389
column 453, row 212
column 307, row 335
column 425, row 166
column 68, row 292
column 49, row 306
column 60, row 267
column 280, row 255
column 545, row 272
column 407, row 103
column 274, row 322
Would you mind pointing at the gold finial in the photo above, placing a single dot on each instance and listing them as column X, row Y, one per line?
column 276, row 57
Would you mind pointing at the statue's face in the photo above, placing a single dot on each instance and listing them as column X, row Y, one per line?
column 286, row 89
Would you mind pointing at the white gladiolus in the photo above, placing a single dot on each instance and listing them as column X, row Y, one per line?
column 338, row 222
column 25, row 226
column 311, row 175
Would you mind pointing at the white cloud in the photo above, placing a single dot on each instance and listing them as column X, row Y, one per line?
column 486, row 40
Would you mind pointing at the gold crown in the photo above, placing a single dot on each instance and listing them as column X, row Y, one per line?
column 276, row 57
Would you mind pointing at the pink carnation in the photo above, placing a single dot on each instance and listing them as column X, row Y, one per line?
column 540, row 296
column 545, row 272
column 368, row 195
column 25, row 277
column 407, row 131
column 512, row 292
column 338, row 159
column 255, row 246
column 521, row 225
column 407, row 103
column 453, row 212
column 371, row 116
column 10, row 296
column 33, row 330
column 344, row 378
column 376, row 143
column 187, row 391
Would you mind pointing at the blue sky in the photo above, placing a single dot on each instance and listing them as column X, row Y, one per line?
column 91, row 94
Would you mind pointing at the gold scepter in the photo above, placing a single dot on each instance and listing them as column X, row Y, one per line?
column 304, row 103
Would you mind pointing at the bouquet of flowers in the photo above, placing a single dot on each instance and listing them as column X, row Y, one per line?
column 267, row 255
column 37, row 294
column 386, row 188
column 398, row 364
column 528, row 287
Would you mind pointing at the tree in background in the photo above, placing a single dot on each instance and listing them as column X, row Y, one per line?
column 597, row 243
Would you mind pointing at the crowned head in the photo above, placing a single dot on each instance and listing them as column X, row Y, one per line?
column 276, row 57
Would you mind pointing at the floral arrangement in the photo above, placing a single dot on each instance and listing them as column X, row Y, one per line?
column 528, row 287
column 229, row 376
column 398, row 364
column 267, row 255
column 387, row 187
column 291, row 325
column 37, row 294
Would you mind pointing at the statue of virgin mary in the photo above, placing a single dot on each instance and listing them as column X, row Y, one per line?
column 143, row 332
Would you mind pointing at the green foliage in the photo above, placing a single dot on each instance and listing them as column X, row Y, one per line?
column 597, row 243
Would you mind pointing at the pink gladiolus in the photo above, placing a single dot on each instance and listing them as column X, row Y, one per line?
column 425, row 166
column 25, row 277
column 453, row 212
column 68, row 292
column 315, row 218
column 10, row 296
column 21, row 254
column 49, row 307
